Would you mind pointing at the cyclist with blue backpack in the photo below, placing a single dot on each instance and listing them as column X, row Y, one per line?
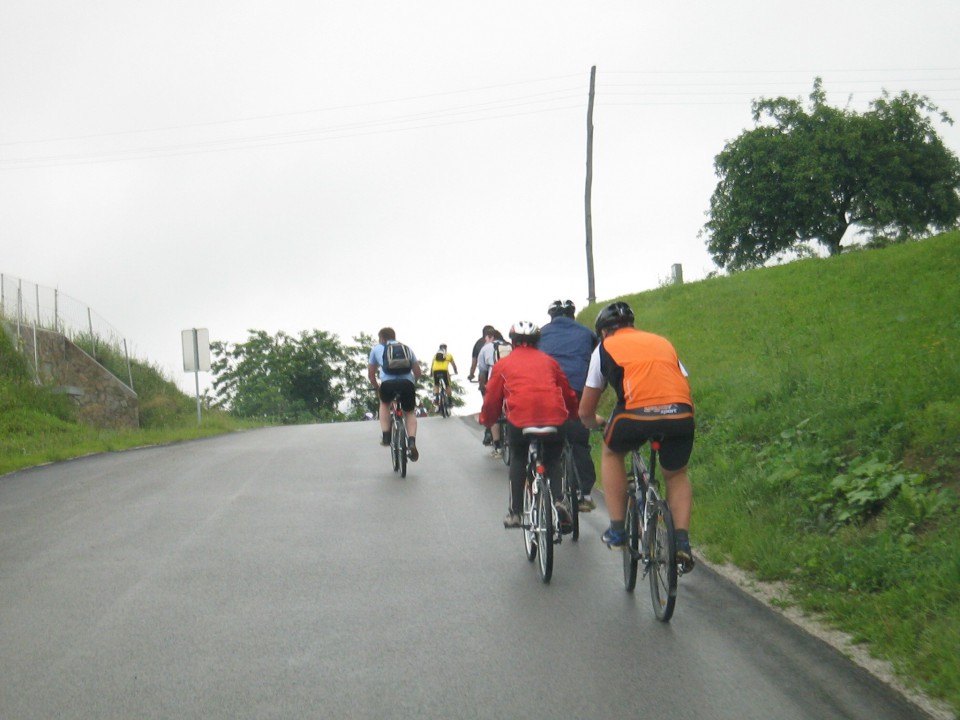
column 393, row 371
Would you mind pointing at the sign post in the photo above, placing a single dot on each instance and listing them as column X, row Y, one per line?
column 196, row 356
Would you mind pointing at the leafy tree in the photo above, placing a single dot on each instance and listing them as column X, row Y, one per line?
column 292, row 379
column 362, row 398
column 812, row 173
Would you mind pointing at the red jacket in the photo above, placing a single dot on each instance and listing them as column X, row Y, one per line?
column 532, row 390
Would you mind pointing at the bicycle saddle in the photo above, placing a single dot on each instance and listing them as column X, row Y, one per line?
column 545, row 430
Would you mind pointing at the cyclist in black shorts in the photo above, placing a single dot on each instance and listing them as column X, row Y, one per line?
column 653, row 400
column 390, row 385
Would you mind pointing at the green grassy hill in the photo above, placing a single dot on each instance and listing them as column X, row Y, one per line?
column 828, row 448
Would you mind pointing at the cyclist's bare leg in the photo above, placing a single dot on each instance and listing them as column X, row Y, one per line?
column 384, row 417
column 410, row 421
column 679, row 496
column 613, row 472
column 495, row 433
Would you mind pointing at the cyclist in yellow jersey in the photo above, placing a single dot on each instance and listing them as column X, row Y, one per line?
column 440, row 368
column 653, row 400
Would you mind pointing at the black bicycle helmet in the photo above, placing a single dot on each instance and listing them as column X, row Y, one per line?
column 614, row 315
column 525, row 332
column 564, row 308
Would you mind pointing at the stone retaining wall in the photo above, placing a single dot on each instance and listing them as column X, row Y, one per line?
column 102, row 400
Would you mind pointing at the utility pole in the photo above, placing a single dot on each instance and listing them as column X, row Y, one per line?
column 591, row 289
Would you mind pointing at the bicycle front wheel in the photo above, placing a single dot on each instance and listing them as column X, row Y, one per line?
column 631, row 553
column 663, row 562
column 545, row 530
column 527, row 520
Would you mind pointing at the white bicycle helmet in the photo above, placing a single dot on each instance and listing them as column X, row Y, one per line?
column 525, row 332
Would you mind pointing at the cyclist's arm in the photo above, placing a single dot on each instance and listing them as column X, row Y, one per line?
column 372, row 375
column 592, row 390
column 492, row 401
column 588, row 408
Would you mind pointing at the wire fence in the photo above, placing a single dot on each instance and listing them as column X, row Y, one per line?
column 26, row 305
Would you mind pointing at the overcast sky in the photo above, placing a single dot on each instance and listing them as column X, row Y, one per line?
column 290, row 165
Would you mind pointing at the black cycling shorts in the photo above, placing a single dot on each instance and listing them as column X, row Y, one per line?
column 404, row 389
column 629, row 429
column 445, row 374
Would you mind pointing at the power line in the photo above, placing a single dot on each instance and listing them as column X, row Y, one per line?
column 674, row 93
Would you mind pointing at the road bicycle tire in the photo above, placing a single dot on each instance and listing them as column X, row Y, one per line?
column 442, row 401
column 545, row 530
column 403, row 453
column 527, row 520
column 504, row 442
column 395, row 446
column 571, row 488
column 663, row 562
column 631, row 553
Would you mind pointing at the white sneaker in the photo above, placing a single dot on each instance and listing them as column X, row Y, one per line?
column 497, row 452
column 511, row 521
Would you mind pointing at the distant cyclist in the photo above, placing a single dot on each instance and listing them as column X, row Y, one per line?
column 490, row 354
column 390, row 384
column 489, row 334
column 531, row 389
column 488, row 330
column 653, row 399
column 571, row 344
column 440, row 369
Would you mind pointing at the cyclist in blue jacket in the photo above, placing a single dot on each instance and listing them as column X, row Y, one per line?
column 571, row 344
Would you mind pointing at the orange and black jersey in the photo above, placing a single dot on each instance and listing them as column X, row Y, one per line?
column 642, row 368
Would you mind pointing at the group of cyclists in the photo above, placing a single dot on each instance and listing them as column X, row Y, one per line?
column 555, row 376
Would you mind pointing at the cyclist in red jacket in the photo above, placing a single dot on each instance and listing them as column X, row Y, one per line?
column 533, row 391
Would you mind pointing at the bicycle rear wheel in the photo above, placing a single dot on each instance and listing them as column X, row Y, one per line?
column 395, row 447
column 571, row 489
column 527, row 520
column 545, row 530
column 504, row 442
column 663, row 562
column 444, row 410
column 631, row 553
column 403, row 452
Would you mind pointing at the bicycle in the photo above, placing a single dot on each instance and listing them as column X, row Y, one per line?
column 504, row 441
column 539, row 520
column 650, row 535
column 442, row 408
column 571, row 487
column 398, row 438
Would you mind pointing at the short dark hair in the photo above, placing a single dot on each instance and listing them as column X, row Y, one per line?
column 387, row 333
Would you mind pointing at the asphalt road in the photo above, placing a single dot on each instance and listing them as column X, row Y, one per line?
column 289, row 573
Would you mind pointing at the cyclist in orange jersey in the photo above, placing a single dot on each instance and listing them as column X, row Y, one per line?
column 653, row 400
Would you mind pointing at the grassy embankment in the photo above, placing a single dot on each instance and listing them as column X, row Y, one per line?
column 828, row 448
column 37, row 426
